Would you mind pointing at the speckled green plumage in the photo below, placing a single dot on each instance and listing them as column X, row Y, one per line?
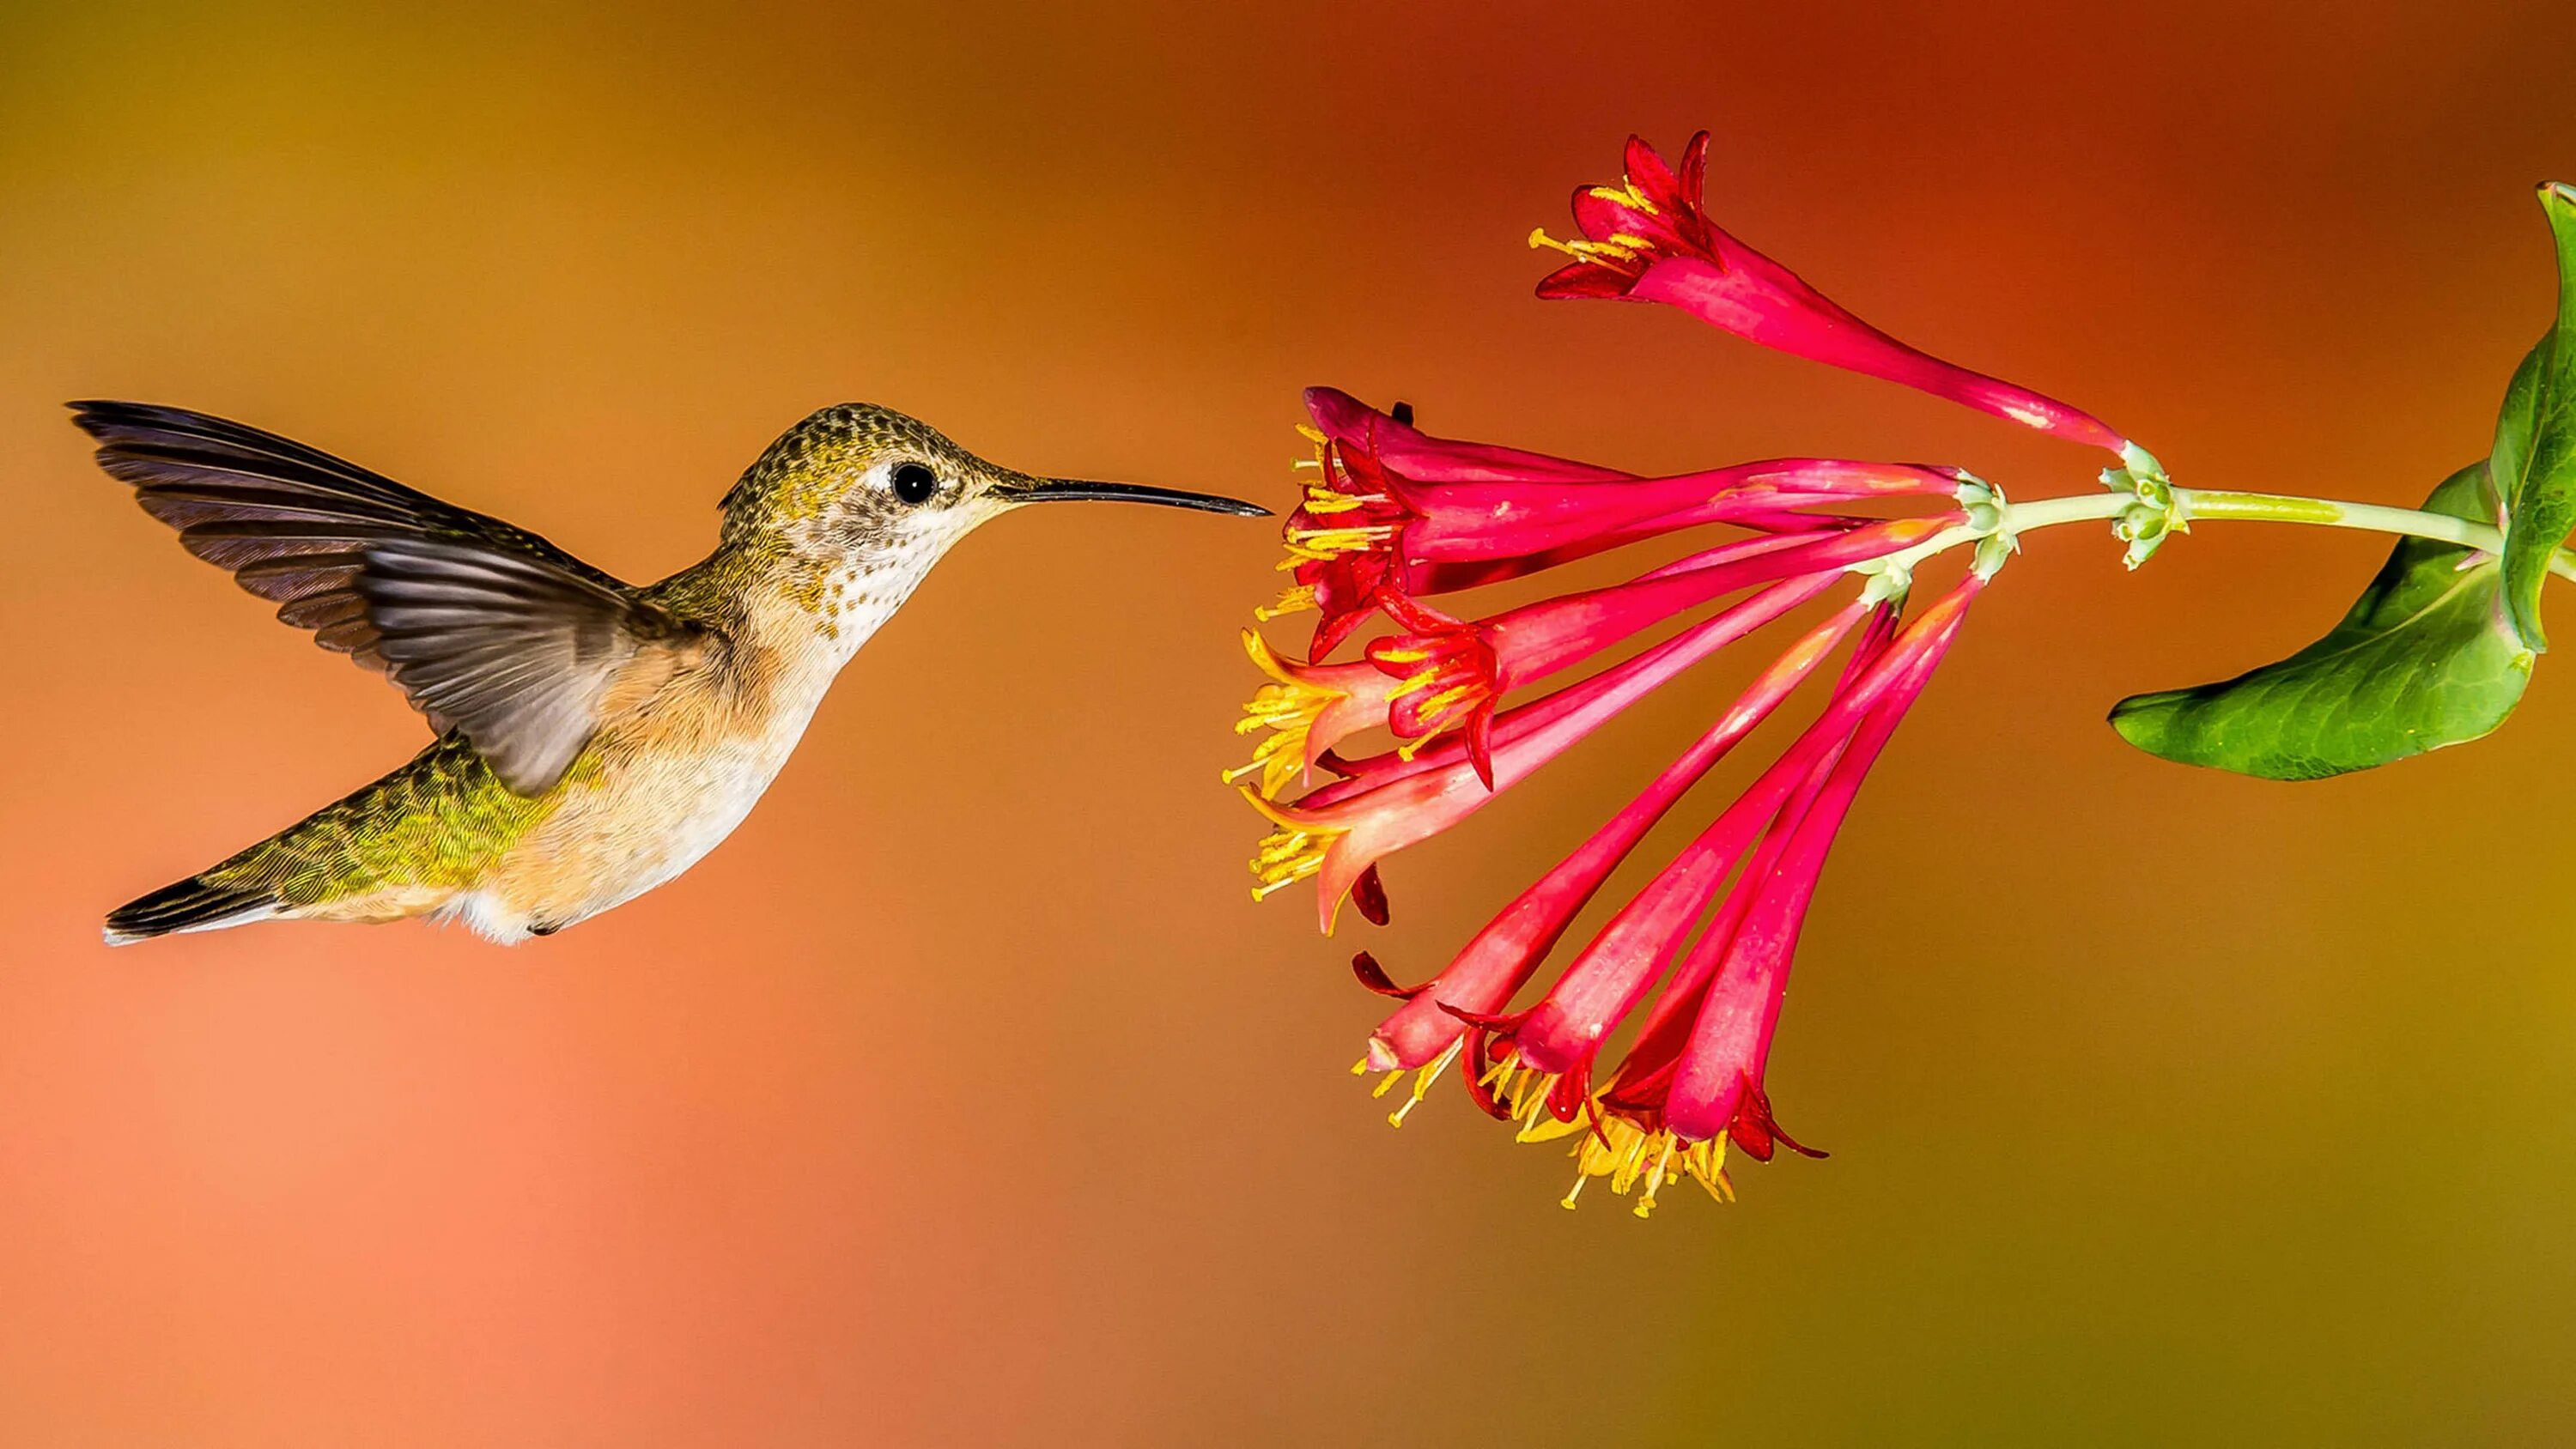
column 437, row 822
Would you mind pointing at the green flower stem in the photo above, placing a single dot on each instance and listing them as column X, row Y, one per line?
column 2197, row 504
column 2074, row 508
column 2284, row 508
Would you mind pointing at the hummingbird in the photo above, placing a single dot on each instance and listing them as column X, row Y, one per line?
column 593, row 739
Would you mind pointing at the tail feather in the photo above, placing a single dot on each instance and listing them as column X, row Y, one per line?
column 194, row 904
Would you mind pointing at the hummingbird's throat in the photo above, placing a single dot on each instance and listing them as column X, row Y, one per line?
column 840, row 603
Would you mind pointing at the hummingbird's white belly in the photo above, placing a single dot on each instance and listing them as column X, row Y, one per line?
column 652, row 812
column 677, row 778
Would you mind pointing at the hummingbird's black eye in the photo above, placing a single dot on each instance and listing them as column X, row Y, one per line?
column 914, row 482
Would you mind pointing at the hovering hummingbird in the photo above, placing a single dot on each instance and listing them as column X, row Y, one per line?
column 594, row 738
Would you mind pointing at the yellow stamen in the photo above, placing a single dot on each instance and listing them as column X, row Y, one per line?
column 1440, row 704
column 1620, row 251
column 1289, row 705
column 1412, row 683
column 1292, row 852
column 1422, row 1081
column 1284, row 858
column 1423, row 1077
column 1626, row 194
column 1278, row 760
column 1655, row 1179
column 1319, row 544
column 1291, row 601
column 1438, row 714
column 1634, row 1159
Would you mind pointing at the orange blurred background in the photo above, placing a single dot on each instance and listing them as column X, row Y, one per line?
column 962, row 1098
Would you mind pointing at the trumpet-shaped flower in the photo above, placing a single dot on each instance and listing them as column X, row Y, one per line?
column 1452, row 671
column 1391, row 511
column 1702, row 948
column 1308, row 708
column 1646, row 1050
column 1336, row 833
column 1502, row 957
column 1691, row 1084
column 1649, row 238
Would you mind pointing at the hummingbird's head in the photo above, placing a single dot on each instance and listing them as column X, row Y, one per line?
column 859, row 486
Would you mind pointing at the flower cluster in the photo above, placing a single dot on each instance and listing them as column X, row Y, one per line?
column 1689, row 973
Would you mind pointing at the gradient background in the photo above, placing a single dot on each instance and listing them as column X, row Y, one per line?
column 962, row 1098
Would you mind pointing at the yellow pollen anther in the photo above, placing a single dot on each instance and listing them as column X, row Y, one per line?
column 1631, row 1157
column 1422, row 1081
column 1635, row 1160
column 1289, row 705
column 1292, row 852
column 1438, row 713
column 1319, row 544
column 1626, row 194
column 1291, row 601
column 1619, row 252
column 1448, row 699
column 1413, row 683
column 1284, row 858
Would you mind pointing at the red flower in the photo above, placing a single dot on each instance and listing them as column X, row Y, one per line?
column 1397, row 799
column 1692, row 1083
column 1392, row 510
column 1649, row 239
column 1451, row 671
column 1649, row 1046
column 1395, row 515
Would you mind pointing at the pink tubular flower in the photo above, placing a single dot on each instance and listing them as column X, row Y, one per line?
column 1699, row 955
column 1451, row 671
column 1647, row 1048
column 1343, row 830
column 1649, row 239
column 1502, row 957
column 1391, row 510
column 1308, row 708
column 1691, row 1084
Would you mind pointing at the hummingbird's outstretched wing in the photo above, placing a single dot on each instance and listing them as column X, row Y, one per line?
column 486, row 628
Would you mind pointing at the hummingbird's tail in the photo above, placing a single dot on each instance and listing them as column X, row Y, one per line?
column 194, row 904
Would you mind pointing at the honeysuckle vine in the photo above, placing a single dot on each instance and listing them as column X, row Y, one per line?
column 1646, row 1052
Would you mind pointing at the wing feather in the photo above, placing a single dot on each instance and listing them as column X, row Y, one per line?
column 486, row 628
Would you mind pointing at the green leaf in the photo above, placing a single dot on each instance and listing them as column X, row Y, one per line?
column 2427, row 658
column 2535, row 445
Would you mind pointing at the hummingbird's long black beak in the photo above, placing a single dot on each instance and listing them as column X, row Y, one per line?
column 1085, row 490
